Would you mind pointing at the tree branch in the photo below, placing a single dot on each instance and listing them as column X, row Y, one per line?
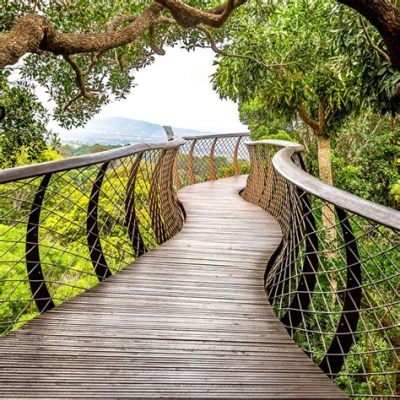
column 117, row 22
column 225, row 53
column 190, row 17
column 33, row 33
column 84, row 92
column 153, row 44
column 307, row 119
column 371, row 43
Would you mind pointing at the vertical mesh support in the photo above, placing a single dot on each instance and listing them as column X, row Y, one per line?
column 337, row 294
column 131, row 220
column 40, row 292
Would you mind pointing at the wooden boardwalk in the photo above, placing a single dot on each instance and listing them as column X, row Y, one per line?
column 188, row 320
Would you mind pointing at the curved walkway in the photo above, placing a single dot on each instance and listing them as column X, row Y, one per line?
column 189, row 320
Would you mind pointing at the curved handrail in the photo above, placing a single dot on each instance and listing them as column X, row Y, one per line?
column 284, row 165
column 287, row 168
column 277, row 143
column 30, row 171
column 200, row 158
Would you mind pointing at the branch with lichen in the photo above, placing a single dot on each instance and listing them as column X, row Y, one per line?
column 80, row 82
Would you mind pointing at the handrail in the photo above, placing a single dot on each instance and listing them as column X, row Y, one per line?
column 276, row 143
column 30, row 171
column 334, row 281
column 210, row 157
column 284, row 165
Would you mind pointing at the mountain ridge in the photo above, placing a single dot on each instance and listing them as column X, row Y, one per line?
column 120, row 131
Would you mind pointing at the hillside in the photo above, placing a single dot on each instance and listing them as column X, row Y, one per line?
column 120, row 131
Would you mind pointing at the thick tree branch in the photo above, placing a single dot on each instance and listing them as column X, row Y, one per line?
column 24, row 37
column 33, row 33
column 190, row 17
column 307, row 119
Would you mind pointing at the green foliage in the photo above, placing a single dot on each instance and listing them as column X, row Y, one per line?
column 265, row 134
column 23, row 131
column 303, row 61
column 365, row 160
column 110, row 76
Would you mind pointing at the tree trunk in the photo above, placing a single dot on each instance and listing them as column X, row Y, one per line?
column 328, row 211
column 325, row 174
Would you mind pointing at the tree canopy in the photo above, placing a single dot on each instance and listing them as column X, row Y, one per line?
column 325, row 71
column 85, row 53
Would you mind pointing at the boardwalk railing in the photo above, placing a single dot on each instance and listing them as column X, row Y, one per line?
column 210, row 157
column 67, row 225
column 334, row 281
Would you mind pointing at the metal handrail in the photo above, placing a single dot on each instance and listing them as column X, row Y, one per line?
column 284, row 165
column 30, row 171
column 287, row 168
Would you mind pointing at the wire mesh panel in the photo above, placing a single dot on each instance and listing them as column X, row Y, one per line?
column 205, row 158
column 65, row 226
column 335, row 279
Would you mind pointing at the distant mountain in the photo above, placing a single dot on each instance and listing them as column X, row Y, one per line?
column 120, row 131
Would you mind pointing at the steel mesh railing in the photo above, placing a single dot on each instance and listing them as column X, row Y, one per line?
column 204, row 158
column 67, row 225
column 334, row 281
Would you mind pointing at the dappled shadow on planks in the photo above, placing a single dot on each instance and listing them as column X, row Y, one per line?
column 190, row 319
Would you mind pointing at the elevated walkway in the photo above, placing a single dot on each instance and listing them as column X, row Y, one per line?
column 189, row 319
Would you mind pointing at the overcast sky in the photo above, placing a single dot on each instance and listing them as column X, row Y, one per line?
column 176, row 90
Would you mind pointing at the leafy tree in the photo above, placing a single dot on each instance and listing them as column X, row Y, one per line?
column 85, row 53
column 24, row 126
column 306, row 69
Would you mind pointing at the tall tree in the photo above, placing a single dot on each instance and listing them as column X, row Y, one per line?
column 318, row 70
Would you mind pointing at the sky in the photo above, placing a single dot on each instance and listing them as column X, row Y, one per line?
column 176, row 90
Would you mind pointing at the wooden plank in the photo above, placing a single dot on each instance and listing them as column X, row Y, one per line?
column 188, row 320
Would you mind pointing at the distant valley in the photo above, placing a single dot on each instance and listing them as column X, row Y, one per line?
column 119, row 131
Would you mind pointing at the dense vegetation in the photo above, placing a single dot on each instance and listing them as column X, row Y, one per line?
column 321, row 82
